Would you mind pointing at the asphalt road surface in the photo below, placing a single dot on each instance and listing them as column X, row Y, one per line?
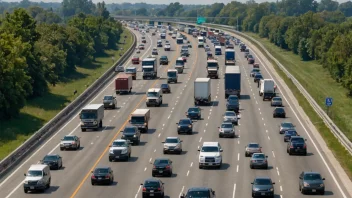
column 232, row 180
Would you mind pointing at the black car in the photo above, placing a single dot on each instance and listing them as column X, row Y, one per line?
column 203, row 192
column 162, row 166
column 185, row 126
column 102, row 175
column 164, row 60
column 233, row 103
column 54, row 161
column 262, row 187
column 132, row 134
column 279, row 112
column 258, row 77
column 194, row 113
column 289, row 134
column 284, row 126
column 165, row 88
column 153, row 188
column 297, row 145
column 311, row 182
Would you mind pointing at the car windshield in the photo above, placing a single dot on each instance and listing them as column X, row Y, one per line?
column 130, row 70
column 286, row 125
column 171, row 74
column 152, row 94
column 179, row 62
column 137, row 120
column 34, row 173
column 312, row 177
column 161, row 161
column 50, row 158
column 262, row 182
column 108, row 97
column 119, row 144
column 230, row 114
column 154, row 184
column 226, row 125
column 193, row 110
column 129, row 130
column 212, row 64
column 258, row 76
column 101, row 170
column 258, row 156
column 164, row 86
column 233, row 98
column 198, row 194
column 186, row 121
column 253, row 145
column 250, row 56
column 171, row 140
column 281, row 110
column 277, row 99
column 163, row 58
column 297, row 140
column 292, row 133
column 255, row 70
column 69, row 138
column 210, row 149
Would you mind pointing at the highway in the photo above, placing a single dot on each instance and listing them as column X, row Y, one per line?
column 234, row 177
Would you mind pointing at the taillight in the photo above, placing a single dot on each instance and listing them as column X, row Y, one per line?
column 154, row 167
column 265, row 161
column 93, row 177
column 291, row 146
column 167, row 167
column 144, row 189
column 107, row 176
column 305, row 146
column 159, row 189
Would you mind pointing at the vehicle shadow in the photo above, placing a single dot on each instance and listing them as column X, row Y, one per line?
column 114, row 183
column 245, row 97
column 164, row 105
column 138, row 93
column 151, row 131
column 47, row 191
column 214, row 103
column 184, row 152
column 194, row 133
column 80, row 148
column 109, row 128
column 174, row 175
column 141, row 144
column 133, row 159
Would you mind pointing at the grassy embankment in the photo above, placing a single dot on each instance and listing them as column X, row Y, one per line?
column 318, row 82
column 39, row 111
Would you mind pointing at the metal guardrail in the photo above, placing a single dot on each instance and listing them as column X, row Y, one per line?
column 63, row 116
column 326, row 119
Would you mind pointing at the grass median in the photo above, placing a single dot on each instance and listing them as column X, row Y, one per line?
column 39, row 111
column 319, row 84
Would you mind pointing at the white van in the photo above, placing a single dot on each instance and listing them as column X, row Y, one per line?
column 38, row 177
column 218, row 50
column 154, row 97
column 200, row 41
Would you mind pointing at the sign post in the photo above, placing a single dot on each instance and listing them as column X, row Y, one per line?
column 328, row 103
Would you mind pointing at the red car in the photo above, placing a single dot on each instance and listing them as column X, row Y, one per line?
column 144, row 41
column 250, row 60
column 135, row 60
column 184, row 58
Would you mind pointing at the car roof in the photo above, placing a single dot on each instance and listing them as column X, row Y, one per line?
column 297, row 137
column 37, row 167
column 172, row 138
column 185, row 119
column 311, row 172
column 210, row 143
column 253, row 143
column 102, row 167
column 120, row 140
column 161, row 158
column 69, row 136
column 151, row 179
column 262, row 177
column 52, row 155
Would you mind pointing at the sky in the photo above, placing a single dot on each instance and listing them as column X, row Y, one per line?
column 166, row 1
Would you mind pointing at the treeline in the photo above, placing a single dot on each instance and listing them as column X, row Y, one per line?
column 33, row 55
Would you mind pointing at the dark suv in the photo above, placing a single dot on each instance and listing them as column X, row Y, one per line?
column 132, row 134
column 233, row 103
column 203, row 192
column 185, row 125
column 311, row 182
column 153, row 188
column 297, row 145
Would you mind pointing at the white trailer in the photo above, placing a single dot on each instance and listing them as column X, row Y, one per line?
column 202, row 91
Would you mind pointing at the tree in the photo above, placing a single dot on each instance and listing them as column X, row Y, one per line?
column 327, row 5
column 142, row 12
column 346, row 8
column 102, row 11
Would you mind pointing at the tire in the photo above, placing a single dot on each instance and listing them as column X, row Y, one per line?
column 25, row 191
column 101, row 124
column 61, row 149
column 305, row 153
column 83, row 130
column 266, row 167
column 110, row 160
column 220, row 136
column 48, row 184
column 170, row 174
column 153, row 175
column 200, row 167
column 92, row 183
column 114, row 106
column 250, row 166
column 289, row 152
column 164, row 152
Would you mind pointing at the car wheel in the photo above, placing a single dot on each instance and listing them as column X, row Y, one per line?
column 250, row 166
column 200, row 167
column 114, row 106
column 61, row 149
column 289, row 152
column 322, row 192
column 110, row 159
column 92, row 183
column 153, row 175
column 164, row 152
column 220, row 136
column 25, row 191
column 305, row 153
column 170, row 174
column 266, row 167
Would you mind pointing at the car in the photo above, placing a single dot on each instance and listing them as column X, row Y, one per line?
column 70, row 142
column 172, row 145
column 194, row 113
column 203, row 192
column 210, row 155
column 276, row 102
column 189, row 45
column 141, row 47
column 119, row 68
column 109, row 101
column 230, row 116
column 249, row 56
column 153, row 187
column 167, row 47
column 185, row 125
column 153, row 33
column 173, row 36
column 246, row 54
column 288, row 134
column 159, row 43
column 284, row 126
column 164, row 60
column 184, row 52
column 132, row 134
column 247, row 50
column 162, row 166
column 254, row 71
column 311, row 182
column 167, row 42
column 251, row 60
column 258, row 77
column 233, row 103
column 102, row 175
column 184, row 58
column 54, row 161
column 120, row 149
column 263, row 187
column 297, row 145
column 230, row 46
column 165, row 88
column 256, row 65
column 227, row 129
column 37, row 178
column 135, row 60
column 252, row 148
column 258, row 160
column 279, row 112
column 155, row 51
column 138, row 52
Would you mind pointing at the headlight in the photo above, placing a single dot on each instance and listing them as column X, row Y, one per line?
column 110, row 103
column 134, row 135
column 124, row 151
column 306, row 184
column 82, row 123
column 40, row 181
column 165, row 146
column 271, row 189
column 177, row 146
column 189, row 126
column 95, row 122
column 321, row 185
column 122, row 136
column 178, row 126
column 256, row 189
column 25, row 182
column 111, row 151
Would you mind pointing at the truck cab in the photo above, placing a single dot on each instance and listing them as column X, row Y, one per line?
column 230, row 57
column 212, row 68
column 200, row 41
column 140, row 119
column 154, row 97
column 172, row 75
column 179, row 40
column 92, row 117
column 149, row 68
column 132, row 71
column 180, row 64
column 109, row 101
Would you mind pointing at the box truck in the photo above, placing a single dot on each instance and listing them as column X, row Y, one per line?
column 230, row 57
column 232, row 81
column 266, row 88
column 202, row 91
column 140, row 118
column 123, row 83
column 92, row 117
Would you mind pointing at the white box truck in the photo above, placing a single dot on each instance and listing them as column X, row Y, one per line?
column 92, row 117
column 140, row 118
column 202, row 91
column 267, row 88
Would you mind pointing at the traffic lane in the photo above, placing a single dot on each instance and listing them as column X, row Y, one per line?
column 82, row 140
column 296, row 163
column 16, row 177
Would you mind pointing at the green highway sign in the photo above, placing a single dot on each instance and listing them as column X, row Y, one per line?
column 200, row 20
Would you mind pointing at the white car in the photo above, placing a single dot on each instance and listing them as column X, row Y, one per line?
column 173, row 36
column 120, row 150
column 172, row 145
column 210, row 155
column 167, row 47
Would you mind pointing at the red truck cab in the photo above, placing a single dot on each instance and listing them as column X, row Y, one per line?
column 135, row 60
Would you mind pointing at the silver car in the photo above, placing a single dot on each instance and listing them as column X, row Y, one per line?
column 259, row 160
column 231, row 116
column 119, row 68
column 70, row 142
column 276, row 102
column 227, row 129
column 109, row 101
column 172, row 145
column 252, row 148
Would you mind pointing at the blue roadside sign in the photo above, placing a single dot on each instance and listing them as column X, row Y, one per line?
column 328, row 101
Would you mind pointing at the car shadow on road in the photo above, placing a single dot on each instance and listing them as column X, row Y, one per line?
column 151, row 131
column 109, row 128
column 138, row 93
column 214, row 103
column 80, row 148
column 194, row 133
column 133, row 159
column 164, row 105
column 245, row 97
column 141, row 144
column 47, row 191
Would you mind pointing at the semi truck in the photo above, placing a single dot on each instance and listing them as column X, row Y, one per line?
column 212, row 68
column 202, row 91
column 92, row 117
column 267, row 89
column 230, row 57
column 140, row 118
column 232, row 81
column 123, row 83
column 149, row 68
